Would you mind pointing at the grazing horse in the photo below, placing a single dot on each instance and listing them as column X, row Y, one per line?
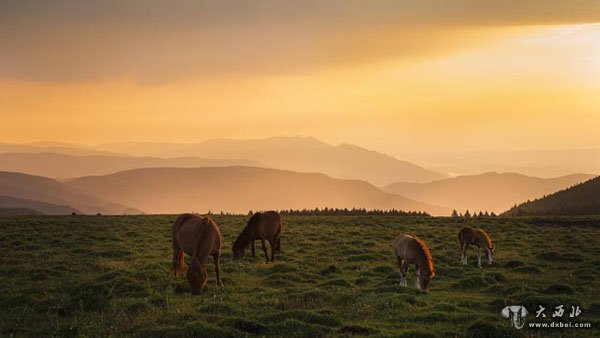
column 199, row 237
column 479, row 238
column 411, row 250
column 264, row 226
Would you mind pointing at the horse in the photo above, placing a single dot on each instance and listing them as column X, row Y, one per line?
column 264, row 226
column 412, row 250
column 198, row 237
column 479, row 238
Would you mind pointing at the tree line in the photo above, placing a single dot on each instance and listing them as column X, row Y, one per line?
column 467, row 214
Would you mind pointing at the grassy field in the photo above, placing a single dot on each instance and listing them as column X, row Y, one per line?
column 336, row 276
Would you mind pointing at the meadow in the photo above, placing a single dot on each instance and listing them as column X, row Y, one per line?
column 336, row 276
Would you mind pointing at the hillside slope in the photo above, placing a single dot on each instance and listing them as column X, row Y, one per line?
column 303, row 154
column 581, row 199
column 7, row 202
column 239, row 189
column 490, row 191
column 42, row 189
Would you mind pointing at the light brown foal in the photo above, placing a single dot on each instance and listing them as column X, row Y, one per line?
column 479, row 238
column 411, row 250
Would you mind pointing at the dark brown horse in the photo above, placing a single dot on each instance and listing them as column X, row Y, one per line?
column 199, row 237
column 479, row 238
column 263, row 226
column 412, row 250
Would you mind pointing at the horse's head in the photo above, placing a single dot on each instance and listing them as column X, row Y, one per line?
column 489, row 254
column 238, row 251
column 423, row 280
column 193, row 276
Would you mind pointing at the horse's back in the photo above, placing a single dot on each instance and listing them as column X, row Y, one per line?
column 266, row 224
column 193, row 231
column 402, row 243
column 272, row 219
column 484, row 238
column 466, row 233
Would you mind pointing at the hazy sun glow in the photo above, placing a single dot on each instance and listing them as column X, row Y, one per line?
column 386, row 87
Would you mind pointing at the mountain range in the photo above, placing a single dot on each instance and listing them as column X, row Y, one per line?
column 302, row 154
column 58, row 165
column 239, row 175
column 239, row 189
column 494, row 192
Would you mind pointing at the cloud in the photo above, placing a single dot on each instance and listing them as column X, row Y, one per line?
column 161, row 41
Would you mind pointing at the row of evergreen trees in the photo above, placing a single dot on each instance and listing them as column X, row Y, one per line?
column 352, row 212
column 339, row 212
column 467, row 214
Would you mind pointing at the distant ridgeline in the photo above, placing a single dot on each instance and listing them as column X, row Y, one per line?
column 581, row 199
column 353, row 212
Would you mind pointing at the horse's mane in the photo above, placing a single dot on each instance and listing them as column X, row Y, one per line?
column 426, row 253
column 487, row 238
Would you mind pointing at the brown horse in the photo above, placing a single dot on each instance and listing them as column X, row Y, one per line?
column 411, row 250
column 263, row 226
column 479, row 238
column 198, row 237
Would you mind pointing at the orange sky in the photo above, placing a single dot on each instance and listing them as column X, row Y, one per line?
column 392, row 78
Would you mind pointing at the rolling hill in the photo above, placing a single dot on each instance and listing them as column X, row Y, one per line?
column 490, row 191
column 9, row 212
column 581, row 199
column 302, row 154
column 7, row 202
column 58, row 165
column 239, row 189
column 46, row 190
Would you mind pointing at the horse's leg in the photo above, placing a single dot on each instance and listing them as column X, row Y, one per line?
column 404, row 271
column 264, row 247
column 177, row 258
column 203, row 276
column 272, row 250
column 399, row 262
column 417, row 277
column 277, row 240
column 466, row 253
column 462, row 252
column 253, row 251
column 217, row 258
column 479, row 257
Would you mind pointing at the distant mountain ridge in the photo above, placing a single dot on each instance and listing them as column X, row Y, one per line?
column 580, row 199
column 539, row 163
column 485, row 192
column 53, row 147
column 57, row 165
column 239, row 189
column 301, row 154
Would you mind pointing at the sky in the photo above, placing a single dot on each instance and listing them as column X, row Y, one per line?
column 396, row 76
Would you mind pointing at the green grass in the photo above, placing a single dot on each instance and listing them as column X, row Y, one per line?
column 336, row 276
